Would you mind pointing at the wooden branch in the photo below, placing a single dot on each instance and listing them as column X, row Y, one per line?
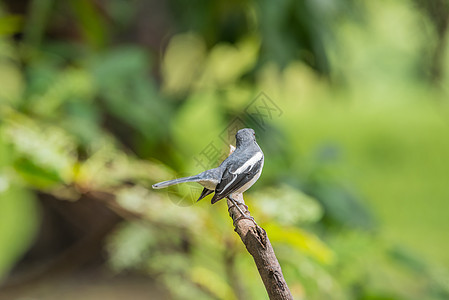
column 258, row 245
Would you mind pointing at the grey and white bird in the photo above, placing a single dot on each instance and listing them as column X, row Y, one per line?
column 236, row 174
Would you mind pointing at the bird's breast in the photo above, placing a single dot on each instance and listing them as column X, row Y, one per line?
column 253, row 180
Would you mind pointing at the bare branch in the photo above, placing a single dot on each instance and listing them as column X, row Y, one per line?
column 258, row 245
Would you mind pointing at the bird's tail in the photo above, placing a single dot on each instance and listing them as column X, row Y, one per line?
column 167, row 183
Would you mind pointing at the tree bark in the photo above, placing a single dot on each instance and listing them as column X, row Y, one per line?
column 258, row 245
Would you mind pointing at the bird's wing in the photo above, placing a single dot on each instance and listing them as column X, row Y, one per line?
column 236, row 175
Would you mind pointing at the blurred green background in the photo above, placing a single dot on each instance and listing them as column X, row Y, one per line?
column 101, row 99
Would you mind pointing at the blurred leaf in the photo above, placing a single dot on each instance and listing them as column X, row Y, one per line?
column 129, row 245
column 93, row 26
column 227, row 63
column 200, row 111
column 10, row 24
column 48, row 150
column 65, row 86
column 10, row 75
column 83, row 120
column 129, row 95
column 288, row 205
column 18, row 225
column 156, row 207
column 342, row 207
column 108, row 166
column 404, row 256
column 183, row 62
column 213, row 283
column 291, row 30
column 36, row 21
column 35, row 175
column 301, row 240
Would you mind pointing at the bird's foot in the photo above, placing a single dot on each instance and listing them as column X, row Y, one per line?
column 241, row 203
column 236, row 204
column 243, row 217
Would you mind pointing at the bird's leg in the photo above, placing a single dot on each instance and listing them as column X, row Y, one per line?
column 241, row 203
column 235, row 202
column 243, row 215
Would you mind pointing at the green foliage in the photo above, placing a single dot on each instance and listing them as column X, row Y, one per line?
column 18, row 223
column 354, row 190
column 19, row 216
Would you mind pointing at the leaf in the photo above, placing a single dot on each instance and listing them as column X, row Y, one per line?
column 129, row 245
column 40, row 149
column 35, row 175
column 226, row 63
column 122, row 79
column 342, row 206
column 18, row 225
column 56, row 88
column 182, row 63
column 201, row 111
column 288, row 205
column 301, row 240
column 10, row 24
column 92, row 24
column 212, row 282
column 10, row 75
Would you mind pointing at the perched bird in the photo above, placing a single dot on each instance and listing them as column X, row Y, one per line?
column 236, row 174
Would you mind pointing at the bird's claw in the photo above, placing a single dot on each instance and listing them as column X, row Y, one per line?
column 236, row 206
column 243, row 217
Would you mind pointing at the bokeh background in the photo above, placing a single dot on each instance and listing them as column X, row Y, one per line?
column 100, row 99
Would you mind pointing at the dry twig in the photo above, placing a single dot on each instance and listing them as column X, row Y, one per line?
column 258, row 245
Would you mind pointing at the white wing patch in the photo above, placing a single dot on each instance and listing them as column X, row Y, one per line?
column 233, row 179
column 249, row 163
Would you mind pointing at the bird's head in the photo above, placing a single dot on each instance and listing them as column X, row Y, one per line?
column 245, row 136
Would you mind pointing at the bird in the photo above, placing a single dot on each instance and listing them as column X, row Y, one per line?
column 235, row 175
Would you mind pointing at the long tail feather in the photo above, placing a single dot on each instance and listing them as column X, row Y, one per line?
column 167, row 183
